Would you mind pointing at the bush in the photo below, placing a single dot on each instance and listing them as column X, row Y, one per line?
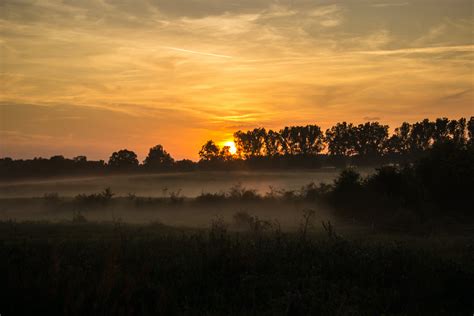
column 95, row 200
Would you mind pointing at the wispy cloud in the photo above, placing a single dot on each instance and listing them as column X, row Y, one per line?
column 196, row 52
column 328, row 16
column 422, row 50
column 458, row 95
column 390, row 4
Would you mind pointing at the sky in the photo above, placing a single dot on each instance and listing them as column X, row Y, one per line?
column 91, row 77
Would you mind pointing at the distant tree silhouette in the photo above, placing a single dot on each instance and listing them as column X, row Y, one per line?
column 341, row 139
column 225, row 153
column 209, row 151
column 80, row 159
column 302, row 140
column 421, row 136
column 291, row 147
column 457, row 131
column 158, row 159
column 399, row 142
column 273, row 144
column 57, row 158
column 441, row 132
column 370, row 139
column 123, row 160
column 185, row 165
column 251, row 143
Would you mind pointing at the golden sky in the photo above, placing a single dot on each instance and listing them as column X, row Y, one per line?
column 94, row 76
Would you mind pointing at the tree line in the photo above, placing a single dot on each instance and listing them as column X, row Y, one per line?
column 370, row 139
column 291, row 147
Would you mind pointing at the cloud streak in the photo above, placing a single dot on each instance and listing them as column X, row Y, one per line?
column 196, row 52
column 390, row 4
column 423, row 50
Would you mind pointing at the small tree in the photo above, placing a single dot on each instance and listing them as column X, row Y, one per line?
column 123, row 159
column 158, row 158
column 209, row 151
column 225, row 153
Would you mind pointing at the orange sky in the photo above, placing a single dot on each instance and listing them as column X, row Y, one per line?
column 94, row 76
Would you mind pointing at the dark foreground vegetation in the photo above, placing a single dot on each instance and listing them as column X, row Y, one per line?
column 117, row 269
column 294, row 147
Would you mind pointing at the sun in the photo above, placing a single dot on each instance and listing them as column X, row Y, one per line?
column 231, row 145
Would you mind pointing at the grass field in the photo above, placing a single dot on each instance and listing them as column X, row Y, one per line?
column 123, row 269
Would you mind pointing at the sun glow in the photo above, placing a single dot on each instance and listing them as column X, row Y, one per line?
column 231, row 145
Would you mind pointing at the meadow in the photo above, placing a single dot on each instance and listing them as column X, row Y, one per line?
column 396, row 240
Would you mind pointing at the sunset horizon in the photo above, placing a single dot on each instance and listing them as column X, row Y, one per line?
column 236, row 157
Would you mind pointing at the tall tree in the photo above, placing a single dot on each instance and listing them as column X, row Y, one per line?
column 441, row 132
column 399, row 142
column 225, row 154
column 302, row 140
column 421, row 136
column 341, row 139
column 251, row 143
column 273, row 143
column 123, row 159
column 209, row 151
column 457, row 131
column 158, row 158
column 370, row 139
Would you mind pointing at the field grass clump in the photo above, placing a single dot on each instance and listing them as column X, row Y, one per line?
column 94, row 200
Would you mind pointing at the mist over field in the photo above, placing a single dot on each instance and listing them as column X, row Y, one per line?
column 190, row 184
column 28, row 200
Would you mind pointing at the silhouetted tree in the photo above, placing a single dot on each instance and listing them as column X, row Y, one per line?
column 470, row 130
column 80, row 159
column 225, row 153
column 185, row 165
column 341, row 139
column 158, row 158
column 123, row 160
column 370, row 139
column 302, row 140
column 209, row 151
column 457, row 131
column 441, row 132
column 399, row 142
column 251, row 143
column 273, row 143
column 57, row 158
column 421, row 136
column 293, row 146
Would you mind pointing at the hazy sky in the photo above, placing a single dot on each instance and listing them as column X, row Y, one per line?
column 94, row 76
